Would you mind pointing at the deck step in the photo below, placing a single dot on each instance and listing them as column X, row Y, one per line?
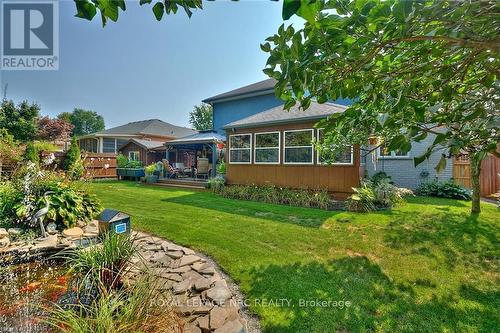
column 192, row 185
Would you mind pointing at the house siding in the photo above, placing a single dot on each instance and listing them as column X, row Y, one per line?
column 404, row 173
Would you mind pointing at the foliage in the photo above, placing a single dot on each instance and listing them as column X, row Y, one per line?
column 20, row 120
column 23, row 196
column 73, row 163
column 53, row 129
column 31, row 153
column 138, row 308
column 10, row 151
column 150, row 169
column 278, row 195
column 378, row 176
column 216, row 184
column 446, row 189
column 84, row 121
column 201, row 117
column 45, row 146
column 109, row 10
column 412, row 69
column 121, row 161
column 102, row 266
column 371, row 196
column 221, row 168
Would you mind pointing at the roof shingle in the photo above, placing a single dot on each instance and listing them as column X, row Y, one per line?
column 148, row 127
column 261, row 86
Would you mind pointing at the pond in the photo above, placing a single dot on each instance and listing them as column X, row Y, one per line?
column 25, row 290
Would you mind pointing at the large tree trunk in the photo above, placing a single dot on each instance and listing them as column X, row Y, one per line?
column 475, row 167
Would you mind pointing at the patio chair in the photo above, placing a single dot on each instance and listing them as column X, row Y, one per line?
column 203, row 167
column 168, row 171
column 182, row 169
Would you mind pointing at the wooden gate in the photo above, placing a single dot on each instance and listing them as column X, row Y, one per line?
column 490, row 174
column 97, row 165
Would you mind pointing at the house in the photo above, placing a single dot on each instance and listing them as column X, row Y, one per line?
column 268, row 145
column 144, row 150
column 111, row 140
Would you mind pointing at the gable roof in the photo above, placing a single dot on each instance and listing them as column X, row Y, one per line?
column 277, row 115
column 208, row 136
column 147, row 127
column 254, row 89
column 146, row 144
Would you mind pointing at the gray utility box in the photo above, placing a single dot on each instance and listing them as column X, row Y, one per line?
column 114, row 221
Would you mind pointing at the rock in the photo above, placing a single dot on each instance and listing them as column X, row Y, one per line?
column 152, row 247
column 183, row 269
column 202, row 284
column 204, row 323
column 51, row 228
column 218, row 317
column 73, row 233
column 14, row 231
column 182, row 286
column 173, row 277
column 164, row 260
column 47, row 243
column 210, row 270
column 219, row 293
column 231, row 327
column 187, row 251
column 175, row 254
column 167, row 246
column 188, row 260
column 4, row 242
column 191, row 328
column 3, row 233
column 191, row 275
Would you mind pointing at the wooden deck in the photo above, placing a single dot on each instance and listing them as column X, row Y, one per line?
column 190, row 183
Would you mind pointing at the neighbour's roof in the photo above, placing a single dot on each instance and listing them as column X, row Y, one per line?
column 147, row 127
column 252, row 89
column 278, row 115
column 146, row 144
column 201, row 137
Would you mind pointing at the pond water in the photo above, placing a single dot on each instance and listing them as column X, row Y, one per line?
column 25, row 290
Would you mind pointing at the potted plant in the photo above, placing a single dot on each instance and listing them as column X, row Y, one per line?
column 151, row 176
column 128, row 168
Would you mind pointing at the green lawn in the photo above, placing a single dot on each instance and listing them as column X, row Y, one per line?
column 426, row 266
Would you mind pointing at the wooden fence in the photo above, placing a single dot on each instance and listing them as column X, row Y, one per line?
column 96, row 165
column 490, row 174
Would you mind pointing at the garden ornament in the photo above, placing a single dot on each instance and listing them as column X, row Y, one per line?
column 40, row 214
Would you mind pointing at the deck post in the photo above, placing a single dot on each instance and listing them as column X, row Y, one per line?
column 214, row 159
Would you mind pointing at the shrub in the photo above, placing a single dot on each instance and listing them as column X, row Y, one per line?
column 121, row 161
column 278, row 195
column 45, row 146
column 150, row 169
column 10, row 151
column 216, row 184
column 221, row 168
column 73, row 163
column 363, row 200
column 446, row 189
column 31, row 153
column 379, row 176
column 371, row 196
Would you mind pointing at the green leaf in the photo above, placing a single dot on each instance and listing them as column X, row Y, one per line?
column 143, row 2
column 266, row 47
column 85, row 10
column 441, row 164
column 158, row 10
column 308, row 11
column 290, row 8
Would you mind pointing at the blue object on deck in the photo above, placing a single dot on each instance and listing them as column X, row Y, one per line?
column 114, row 221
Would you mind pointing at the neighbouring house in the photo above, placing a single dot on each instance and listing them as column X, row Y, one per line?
column 144, row 150
column 111, row 140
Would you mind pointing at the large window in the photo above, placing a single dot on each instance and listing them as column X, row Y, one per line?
column 267, row 148
column 383, row 152
column 240, row 149
column 298, row 147
column 109, row 145
column 334, row 156
column 134, row 156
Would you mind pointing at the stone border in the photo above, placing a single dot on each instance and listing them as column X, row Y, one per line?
column 203, row 295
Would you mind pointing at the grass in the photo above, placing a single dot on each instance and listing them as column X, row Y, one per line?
column 427, row 266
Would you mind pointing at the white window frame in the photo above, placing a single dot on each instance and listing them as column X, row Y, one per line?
column 393, row 155
column 135, row 152
column 231, row 148
column 285, row 147
column 336, row 163
column 255, row 147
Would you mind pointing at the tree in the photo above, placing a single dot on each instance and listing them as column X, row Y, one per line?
column 73, row 163
column 87, row 9
column 84, row 121
column 412, row 68
column 31, row 153
column 19, row 120
column 201, row 117
column 53, row 129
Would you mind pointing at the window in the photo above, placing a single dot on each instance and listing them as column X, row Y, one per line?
column 133, row 156
column 335, row 156
column 383, row 152
column 298, row 147
column 267, row 148
column 109, row 145
column 240, row 149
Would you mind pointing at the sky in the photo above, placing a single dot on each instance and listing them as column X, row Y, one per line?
column 139, row 68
